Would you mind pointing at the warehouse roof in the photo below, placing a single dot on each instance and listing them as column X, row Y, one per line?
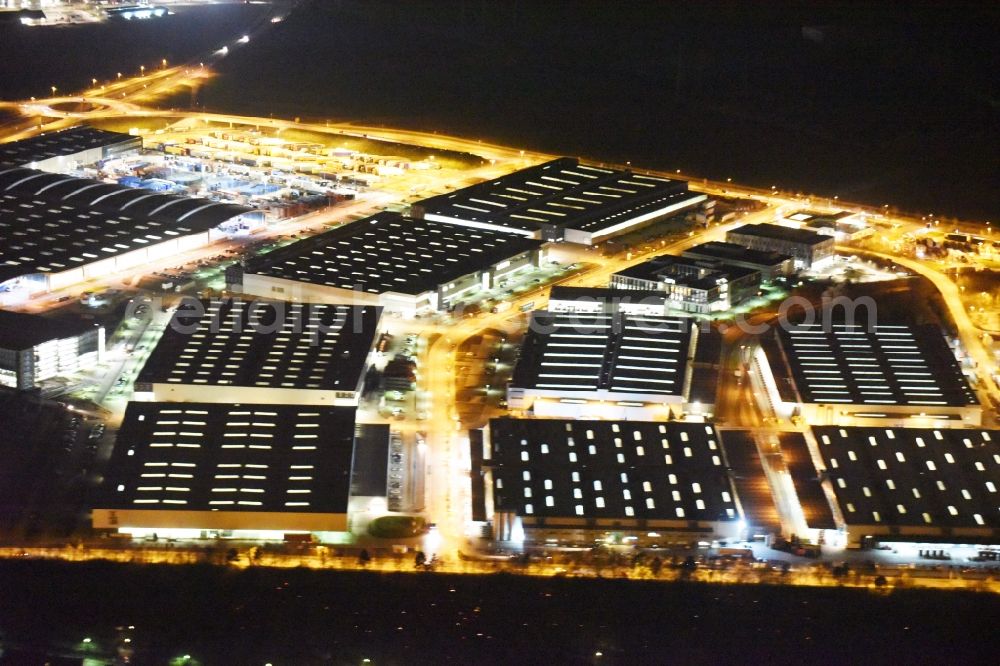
column 204, row 457
column 914, row 476
column 884, row 365
column 232, row 342
column 778, row 232
column 20, row 331
column 391, row 253
column 734, row 252
column 610, row 469
column 51, row 222
column 64, row 142
column 624, row 354
column 561, row 193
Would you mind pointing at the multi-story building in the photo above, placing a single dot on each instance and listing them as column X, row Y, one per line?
column 692, row 285
column 809, row 249
column 34, row 348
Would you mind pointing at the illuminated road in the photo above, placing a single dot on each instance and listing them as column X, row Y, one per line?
column 967, row 331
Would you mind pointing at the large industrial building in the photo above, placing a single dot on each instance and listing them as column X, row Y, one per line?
column 912, row 484
column 200, row 470
column 60, row 230
column 851, row 374
column 275, row 352
column 808, row 249
column 67, row 149
column 581, row 365
column 34, row 348
column 771, row 265
column 405, row 265
column 572, row 482
column 692, row 285
column 563, row 200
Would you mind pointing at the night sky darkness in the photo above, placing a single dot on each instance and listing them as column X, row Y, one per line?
column 878, row 102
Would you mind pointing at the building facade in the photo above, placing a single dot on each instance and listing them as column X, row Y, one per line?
column 807, row 248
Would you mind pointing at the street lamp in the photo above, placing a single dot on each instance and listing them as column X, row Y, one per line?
column 164, row 62
column 142, row 70
column 53, row 91
column 119, row 75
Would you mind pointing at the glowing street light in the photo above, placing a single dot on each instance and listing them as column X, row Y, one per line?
column 53, row 91
column 142, row 70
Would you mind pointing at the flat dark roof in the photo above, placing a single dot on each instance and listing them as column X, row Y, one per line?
column 887, row 365
column 778, row 232
column 620, row 353
column 204, row 457
column 705, row 367
column 610, row 469
column 734, row 252
column 20, row 331
column 694, row 273
column 752, row 487
column 391, row 253
column 370, row 470
column 806, row 481
column 606, row 294
column 914, row 476
column 64, row 142
column 276, row 344
column 561, row 193
column 51, row 223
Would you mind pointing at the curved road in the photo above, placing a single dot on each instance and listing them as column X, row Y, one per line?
column 967, row 331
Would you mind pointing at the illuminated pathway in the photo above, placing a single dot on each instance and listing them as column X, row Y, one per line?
column 812, row 575
column 967, row 331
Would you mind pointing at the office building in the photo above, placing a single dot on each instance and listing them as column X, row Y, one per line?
column 34, row 349
column 771, row 265
column 807, row 248
column 691, row 285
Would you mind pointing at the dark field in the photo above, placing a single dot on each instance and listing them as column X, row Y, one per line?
column 255, row 616
column 884, row 102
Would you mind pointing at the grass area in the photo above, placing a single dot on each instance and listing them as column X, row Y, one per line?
column 221, row 615
column 396, row 527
